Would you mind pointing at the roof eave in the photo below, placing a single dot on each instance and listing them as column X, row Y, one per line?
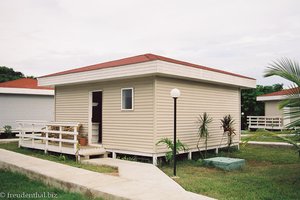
column 271, row 98
column 26, row 91
column 156, row 67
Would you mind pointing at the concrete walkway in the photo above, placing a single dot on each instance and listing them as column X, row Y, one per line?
column 271, row 143
column 151, row 182
column 9, row 140
column 283, row 135
column 136, row 180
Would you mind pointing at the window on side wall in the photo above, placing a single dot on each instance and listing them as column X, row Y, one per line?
column 127, row 99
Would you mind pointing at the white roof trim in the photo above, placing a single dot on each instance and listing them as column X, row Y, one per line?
column 274, row 98
column 271, row 98
column 148, row 68
column 7, row 90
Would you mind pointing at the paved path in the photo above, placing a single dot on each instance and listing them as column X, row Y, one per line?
column 9, row 140
column 284, row 135
column 271, row 143
column 151, row 182
column 136, row 180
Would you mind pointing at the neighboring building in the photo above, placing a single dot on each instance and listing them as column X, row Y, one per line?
column 22, row 99
column 274, row 117
column 125, row 105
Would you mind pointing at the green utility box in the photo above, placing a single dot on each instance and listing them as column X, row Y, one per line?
column 225, row 163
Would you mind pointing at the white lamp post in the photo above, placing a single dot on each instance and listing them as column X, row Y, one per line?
column 175, row 93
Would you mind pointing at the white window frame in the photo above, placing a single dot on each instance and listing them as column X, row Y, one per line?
column 132, row 100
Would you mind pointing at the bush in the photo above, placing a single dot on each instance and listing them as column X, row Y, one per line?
column 7, row 133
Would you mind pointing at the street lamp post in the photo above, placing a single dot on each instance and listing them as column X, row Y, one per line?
column 175, row 93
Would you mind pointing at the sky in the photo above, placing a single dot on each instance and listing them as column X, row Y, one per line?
column 241, row 36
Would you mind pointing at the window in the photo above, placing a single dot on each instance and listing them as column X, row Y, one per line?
column 127, row 98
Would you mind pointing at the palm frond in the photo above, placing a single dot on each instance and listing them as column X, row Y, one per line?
column 289, row 70
column 285, row 68
column 170, row 145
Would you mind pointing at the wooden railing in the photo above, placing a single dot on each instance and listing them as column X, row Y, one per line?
column 265, row 122
column 49, row 136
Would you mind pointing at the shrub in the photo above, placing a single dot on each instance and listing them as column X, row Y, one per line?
column 7, row 131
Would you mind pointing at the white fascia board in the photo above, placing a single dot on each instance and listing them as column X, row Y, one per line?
column 145, row 69
column 274, row 98
column 134, row 70
column 204, row 75
column 6, row 90
column 271, row 98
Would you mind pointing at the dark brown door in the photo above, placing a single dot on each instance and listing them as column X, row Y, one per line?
column 97, row 113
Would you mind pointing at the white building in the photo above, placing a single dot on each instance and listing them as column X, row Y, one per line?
column 22, row 99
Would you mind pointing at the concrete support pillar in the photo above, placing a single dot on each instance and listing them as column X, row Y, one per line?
column 190, row 155
column 154, row 160
column 217, row 150
column 114, row 155
column 238, row 146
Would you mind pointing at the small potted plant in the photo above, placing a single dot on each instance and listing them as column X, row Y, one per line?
column 83, row 140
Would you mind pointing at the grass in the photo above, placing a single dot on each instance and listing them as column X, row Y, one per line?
column 18, row 184
column 13, row 146
column 270, row 173
column 295, row 138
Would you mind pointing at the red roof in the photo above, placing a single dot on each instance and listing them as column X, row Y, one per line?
column 29, row 83
column 283, row 92
column 140, row 59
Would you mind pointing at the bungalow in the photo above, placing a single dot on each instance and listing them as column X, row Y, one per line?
column 274, row 117
column 23, row 99
column 125, row 106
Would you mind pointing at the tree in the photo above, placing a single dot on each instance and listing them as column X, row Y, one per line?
column 251, row 107
column 289, row 70
column 203, row 122
column 8, row 74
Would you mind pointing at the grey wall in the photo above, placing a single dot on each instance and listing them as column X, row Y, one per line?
column 25, row 107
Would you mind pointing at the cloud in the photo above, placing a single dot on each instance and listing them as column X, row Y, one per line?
column 40, row 37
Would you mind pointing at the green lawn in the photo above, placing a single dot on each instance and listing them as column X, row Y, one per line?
column 18, row 184
column 270, row 173
column 13, row 146
column 295, row 138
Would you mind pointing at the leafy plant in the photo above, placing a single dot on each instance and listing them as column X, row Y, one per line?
column 203, row 122
column 7, row 131
column 170, row 145
column 227, row 123
column 128, row 158
column 62, row 157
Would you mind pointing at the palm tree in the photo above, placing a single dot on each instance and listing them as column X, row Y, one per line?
column 289, row 70
column 203, row 121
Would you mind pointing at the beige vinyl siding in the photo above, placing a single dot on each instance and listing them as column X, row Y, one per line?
column 195, row 99
column 271, row 108
column 122, row 130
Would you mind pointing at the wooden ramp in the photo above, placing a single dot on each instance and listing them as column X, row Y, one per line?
column 59, row 137
column 84, row 151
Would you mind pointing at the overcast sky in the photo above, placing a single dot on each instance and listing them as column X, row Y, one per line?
column 38, row 37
